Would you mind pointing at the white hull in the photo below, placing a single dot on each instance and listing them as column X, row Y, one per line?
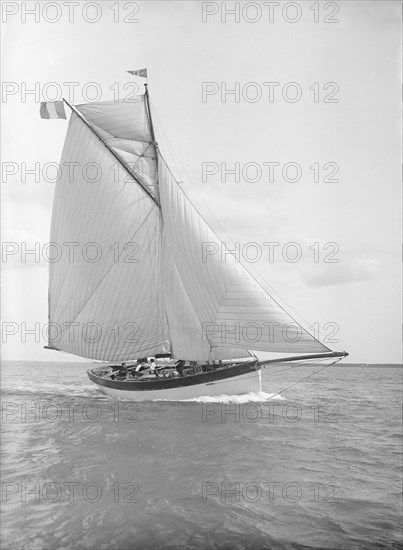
column 236, row 385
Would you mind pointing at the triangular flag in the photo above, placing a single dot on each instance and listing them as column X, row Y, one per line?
column 140, row 72
column 52, row 109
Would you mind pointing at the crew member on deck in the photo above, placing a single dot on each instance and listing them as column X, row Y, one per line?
column 141, row 365
column 179, row 367
column 152, row 368
column 122, row 374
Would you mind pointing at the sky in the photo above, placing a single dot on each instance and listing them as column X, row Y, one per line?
column 345, row 125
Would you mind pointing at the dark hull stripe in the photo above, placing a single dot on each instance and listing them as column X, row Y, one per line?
column 163, row 384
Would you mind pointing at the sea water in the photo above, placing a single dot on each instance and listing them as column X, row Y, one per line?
column 317, row 465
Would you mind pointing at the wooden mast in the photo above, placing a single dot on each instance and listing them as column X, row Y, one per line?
column 149, row 114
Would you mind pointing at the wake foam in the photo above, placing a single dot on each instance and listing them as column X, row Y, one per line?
column 250, row 397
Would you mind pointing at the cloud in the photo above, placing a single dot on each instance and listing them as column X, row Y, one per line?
column 359, row 270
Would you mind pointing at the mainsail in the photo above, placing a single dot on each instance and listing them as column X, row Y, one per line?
column 149, row 289
column 109, row 307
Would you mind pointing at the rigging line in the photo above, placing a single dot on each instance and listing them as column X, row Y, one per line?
column 140, row 157
column 289, row 368
column 282, row 370
column 269, row 373
column 254, row 275
column 302, row 379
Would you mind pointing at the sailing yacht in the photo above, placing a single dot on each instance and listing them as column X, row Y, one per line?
column 140, row 287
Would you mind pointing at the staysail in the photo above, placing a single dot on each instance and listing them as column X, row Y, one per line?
column 138, row 283
column 231, row 308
